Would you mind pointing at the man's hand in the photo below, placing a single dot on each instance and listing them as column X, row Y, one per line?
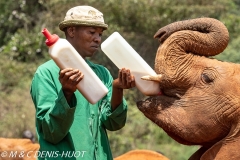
column 69, row 78
column 125, row 79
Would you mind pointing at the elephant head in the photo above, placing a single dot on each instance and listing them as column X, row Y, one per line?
column 200, row 100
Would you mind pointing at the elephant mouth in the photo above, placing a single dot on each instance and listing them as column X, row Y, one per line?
column 163, row 100
column 166, row 96
column 157, row 108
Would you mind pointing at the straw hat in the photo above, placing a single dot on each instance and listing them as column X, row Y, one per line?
column 83, row 15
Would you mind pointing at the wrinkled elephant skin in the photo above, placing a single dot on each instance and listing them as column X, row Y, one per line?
column 200, row 101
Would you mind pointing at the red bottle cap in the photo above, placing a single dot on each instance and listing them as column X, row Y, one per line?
column 51, row 38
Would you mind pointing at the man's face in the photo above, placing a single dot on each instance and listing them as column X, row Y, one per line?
column 86, row 40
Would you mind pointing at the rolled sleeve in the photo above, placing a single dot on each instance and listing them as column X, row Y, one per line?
column 114, row 120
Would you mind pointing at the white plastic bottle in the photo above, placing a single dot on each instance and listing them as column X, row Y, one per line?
column 65, row 56
column 124, row 56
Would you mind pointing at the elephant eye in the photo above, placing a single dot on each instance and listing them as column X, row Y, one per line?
column 206, row 78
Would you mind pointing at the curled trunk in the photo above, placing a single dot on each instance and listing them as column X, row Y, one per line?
column 202, row 36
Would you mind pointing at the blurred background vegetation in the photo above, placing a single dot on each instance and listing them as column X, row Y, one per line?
column 22, row 49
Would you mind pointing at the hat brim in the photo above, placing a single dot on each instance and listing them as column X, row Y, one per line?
column 69, row 23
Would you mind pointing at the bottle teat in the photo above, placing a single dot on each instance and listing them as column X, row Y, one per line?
column 51, row 38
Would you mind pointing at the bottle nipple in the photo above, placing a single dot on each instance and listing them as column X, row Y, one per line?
column 50, row 38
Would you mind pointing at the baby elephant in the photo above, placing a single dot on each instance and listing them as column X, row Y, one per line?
column 200, row 100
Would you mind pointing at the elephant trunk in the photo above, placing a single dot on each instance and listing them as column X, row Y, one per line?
column 202, row 36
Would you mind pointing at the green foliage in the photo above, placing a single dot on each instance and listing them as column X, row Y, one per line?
column 17, row 113
column 25, row 49
column 15, row 15
column 22, row 49
column 231, row 53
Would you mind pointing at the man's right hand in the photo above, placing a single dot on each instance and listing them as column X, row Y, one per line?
column 69, row 78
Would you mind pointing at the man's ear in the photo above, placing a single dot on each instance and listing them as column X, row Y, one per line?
column 71, row 31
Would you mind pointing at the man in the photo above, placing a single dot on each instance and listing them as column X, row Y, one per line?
column 68, row 126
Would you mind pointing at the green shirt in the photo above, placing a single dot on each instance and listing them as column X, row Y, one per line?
column 75, row 131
